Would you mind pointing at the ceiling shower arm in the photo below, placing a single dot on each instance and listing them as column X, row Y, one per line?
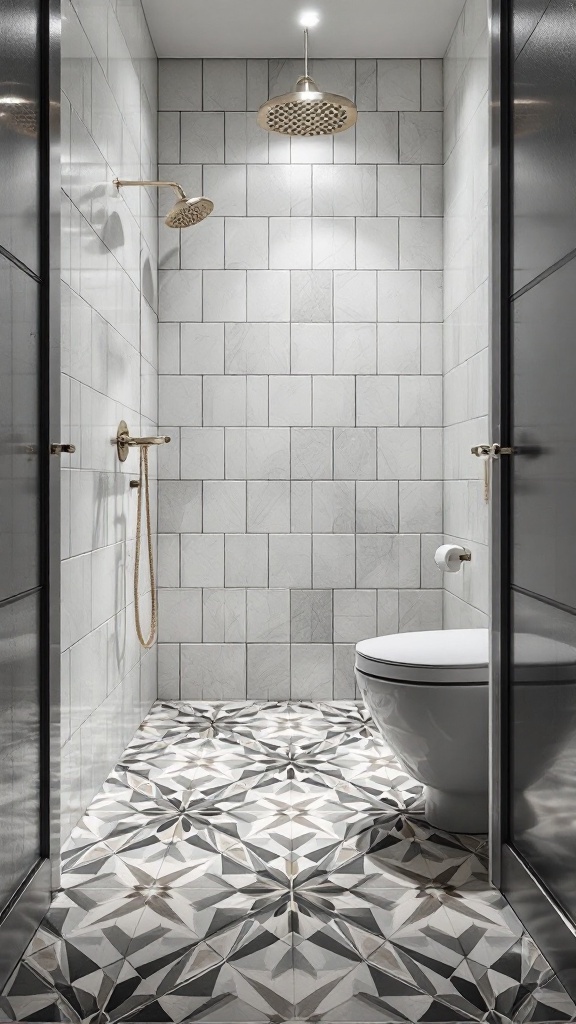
column 120, row 183
column 305, row 53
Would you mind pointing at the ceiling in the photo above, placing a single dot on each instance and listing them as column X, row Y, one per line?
column 269, row 28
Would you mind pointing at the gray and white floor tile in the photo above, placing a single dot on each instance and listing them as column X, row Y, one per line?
column 269, row 863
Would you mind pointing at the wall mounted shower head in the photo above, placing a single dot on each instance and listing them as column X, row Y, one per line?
column 307, row 110
column 185, row 212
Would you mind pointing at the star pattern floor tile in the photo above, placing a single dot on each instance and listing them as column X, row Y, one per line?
column 269, row 863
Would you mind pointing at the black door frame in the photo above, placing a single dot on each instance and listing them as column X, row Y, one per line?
column 29, row 903
column 540, row 913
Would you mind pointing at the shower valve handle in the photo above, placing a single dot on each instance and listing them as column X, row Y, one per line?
column 61, row 449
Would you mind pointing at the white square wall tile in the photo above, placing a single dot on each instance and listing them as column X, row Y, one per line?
column 398, row 84
column 223, row 616
column 333, row 401
column 355, row 453
column 290, row 401
column 224, row 506
column 225, row 185
column 268, row 670
column 312, row 149
column 344, row 191
column 169, row 135
column 398, row 190
column 420, row 506
column 224, row 401
column 258, row 453
column 246, row 243
column 387, row 560
column 268, row 299
column 245, row 142
column 203, row 249
column 179, row 506
column 202, row 348
column 432, row 85
column 333, row 243
column 290, row 243
column 179, row 85
column 376, row 506
column 311, row 672
column 311, row 616
column 366, row 98
column 398, row 453
column 224, row 84
column 246, row 560
column 180, row 295
column 213, row 671
column 311, row 348
column 180, row 616
column 421, row 138
column 377, row 138
column 354, row 348
column 355, row 296
column 399, row 348
column 432, row 190
column 268, row 616
column 301, row 506
column 268, row 506
column 310, row 296
column 202, row 560
column 202, row 139
column 279, row 190
column 398, row 296
column 202, row 453
column 257, row 348
column 354, row 615
column 311, row 453
column 334, row 560
column 180, row 399
column 333, row 506
column 224, row 295
column 290, row 560
column 376, row 243
column 376, row 401
column 421, row 243
column 419, row 609
column 420, row 401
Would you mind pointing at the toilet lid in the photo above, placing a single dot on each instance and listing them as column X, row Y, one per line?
column 459, row 656
column 449, row 656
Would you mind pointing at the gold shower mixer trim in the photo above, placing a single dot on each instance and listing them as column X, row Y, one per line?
column 124, row 442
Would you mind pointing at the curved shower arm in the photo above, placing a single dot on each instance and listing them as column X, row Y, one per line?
column 155, row 184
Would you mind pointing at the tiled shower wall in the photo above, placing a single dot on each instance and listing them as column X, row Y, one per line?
column 109, row 346
column 466, row 306
column 300, row 502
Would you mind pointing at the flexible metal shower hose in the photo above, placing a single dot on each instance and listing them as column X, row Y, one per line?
column 144, row 486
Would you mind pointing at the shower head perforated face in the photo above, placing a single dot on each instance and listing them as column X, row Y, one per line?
column 307, row 111
column 187, row 212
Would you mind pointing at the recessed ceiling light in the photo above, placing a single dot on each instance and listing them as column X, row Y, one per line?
column 308, row 19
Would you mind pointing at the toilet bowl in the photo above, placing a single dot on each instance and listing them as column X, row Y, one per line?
column 428, row 695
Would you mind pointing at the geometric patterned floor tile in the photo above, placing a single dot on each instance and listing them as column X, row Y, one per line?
column 269, row 863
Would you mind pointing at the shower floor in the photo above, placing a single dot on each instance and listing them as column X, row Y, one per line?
column 251, row 862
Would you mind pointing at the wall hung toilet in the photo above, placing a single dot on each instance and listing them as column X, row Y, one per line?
column 428, row 694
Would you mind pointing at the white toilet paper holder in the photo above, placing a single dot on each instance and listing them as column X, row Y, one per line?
column 449, row 557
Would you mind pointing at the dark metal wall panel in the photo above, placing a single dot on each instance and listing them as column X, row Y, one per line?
column 19, row 431
column 19, row 743
column 19, row 129
column 544, row 112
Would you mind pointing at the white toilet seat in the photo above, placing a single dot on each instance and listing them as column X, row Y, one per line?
column 448, row 657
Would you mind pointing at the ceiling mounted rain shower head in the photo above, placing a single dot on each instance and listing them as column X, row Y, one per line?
column 185, row 212
column 307, row 110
